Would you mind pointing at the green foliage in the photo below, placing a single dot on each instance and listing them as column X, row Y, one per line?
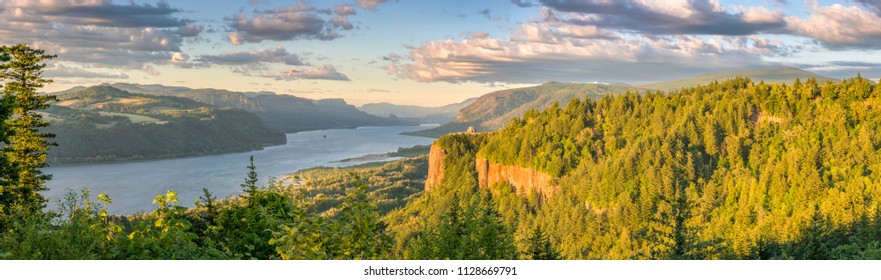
column 474, row 231
column 733, row 170
column 493, row 111
column 164, row 233
column 250, row 185
column 81, row 230
column 244, row 225
column 24, row 145
column 355, row 233
column 539, row 246
column 389, row 185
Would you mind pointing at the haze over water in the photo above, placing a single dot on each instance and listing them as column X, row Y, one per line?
column 133, row 185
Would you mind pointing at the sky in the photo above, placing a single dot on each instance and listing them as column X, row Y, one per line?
column 433, row 53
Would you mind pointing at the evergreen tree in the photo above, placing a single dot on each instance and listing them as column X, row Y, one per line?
column 209, row 201
column 25, row 146
column 250, row 185
column 539, row 246
column 475, row 232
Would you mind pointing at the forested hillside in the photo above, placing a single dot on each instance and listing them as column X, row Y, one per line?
column 103, row 123
column 733, row 170
column 493, row 110
column 282, row 112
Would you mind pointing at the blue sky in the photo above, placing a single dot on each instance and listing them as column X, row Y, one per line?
column 436, row 52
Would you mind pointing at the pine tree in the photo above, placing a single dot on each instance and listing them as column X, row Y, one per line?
column 25, row 146
column 250, row 185
column 209, row 201
column 539, row 246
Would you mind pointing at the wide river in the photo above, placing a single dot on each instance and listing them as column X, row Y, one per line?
column 133, row 185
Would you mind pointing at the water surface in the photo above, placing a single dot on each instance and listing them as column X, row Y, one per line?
column 133, row 185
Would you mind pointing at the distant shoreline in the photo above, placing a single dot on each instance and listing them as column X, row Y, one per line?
column 196, row 155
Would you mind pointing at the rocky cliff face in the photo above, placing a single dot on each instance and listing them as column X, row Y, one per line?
column 435, row 167
column 525, row 181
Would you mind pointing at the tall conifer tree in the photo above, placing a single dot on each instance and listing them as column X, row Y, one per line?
column 24, row 144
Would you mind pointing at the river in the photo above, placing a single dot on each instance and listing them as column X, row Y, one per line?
column 133, row 185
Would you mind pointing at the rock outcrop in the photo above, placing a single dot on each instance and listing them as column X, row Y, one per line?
column 435, row 167
column 525, row 181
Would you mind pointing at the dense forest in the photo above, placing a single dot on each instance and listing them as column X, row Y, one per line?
column 730, row 170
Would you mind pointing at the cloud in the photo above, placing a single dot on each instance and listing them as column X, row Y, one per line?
column 370, row 4
column 99, row 34
column 57, row 70
column 523, row 3
column 289, row 23
column 100, row 13
column 267, row 62
column 326, row 72
column 255, row 57
column 839, row 27
column 689, row 17
column 874, row 5
column 487, row 13
column 570, row 56
column 342, row 12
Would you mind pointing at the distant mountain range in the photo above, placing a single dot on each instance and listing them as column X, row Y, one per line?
column 419, row 114
column 494, row 110
column 282, row 112
column 130, row 121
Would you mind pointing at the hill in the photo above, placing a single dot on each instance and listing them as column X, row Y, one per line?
column 103, row 123
column 780, row 75
column 731, row 170
column 493, row 110
column 289, row 114
column 418, row 114
column 285, row 113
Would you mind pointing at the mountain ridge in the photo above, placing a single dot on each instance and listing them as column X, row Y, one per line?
column 493, row 110
column 282, row 112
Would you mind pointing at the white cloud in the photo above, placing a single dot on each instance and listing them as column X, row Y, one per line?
column 325, row 72
column 98, row 33
column 370, row 4
column 839, row 26
column 565, row 56
column 289, row 23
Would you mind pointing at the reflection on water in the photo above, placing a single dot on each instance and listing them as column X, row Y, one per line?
column 133, row 185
